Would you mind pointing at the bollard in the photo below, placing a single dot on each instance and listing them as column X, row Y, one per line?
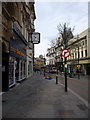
column 56, row 79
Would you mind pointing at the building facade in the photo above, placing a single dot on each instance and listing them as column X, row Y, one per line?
column 54, row 58
column 79, row 54
column 40, row 63
column 17, row 49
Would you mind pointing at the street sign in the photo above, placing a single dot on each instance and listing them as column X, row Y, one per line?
column 65, row 53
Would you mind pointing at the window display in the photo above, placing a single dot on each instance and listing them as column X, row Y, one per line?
column 17, row 70
column 11, row 70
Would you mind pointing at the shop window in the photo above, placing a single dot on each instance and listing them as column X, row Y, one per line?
column 75, row 55
column 85, row 42
column 23, row 69
column 17, row 69
column 11, row 70
column 82, row 42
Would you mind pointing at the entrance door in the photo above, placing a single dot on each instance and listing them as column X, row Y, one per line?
column 88, row 70
column 5, row 72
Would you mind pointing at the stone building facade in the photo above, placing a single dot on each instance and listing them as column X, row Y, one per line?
column 40, row 63
column 17, row 49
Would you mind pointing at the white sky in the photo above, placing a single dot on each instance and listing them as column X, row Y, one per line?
column 50, row 14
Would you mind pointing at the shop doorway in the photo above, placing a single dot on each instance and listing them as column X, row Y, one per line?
column 88, row 70
column 5, row 71
column 5, row 68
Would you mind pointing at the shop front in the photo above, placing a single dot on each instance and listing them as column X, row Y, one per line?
column 14, row 60
column 16, row 70
column 17, row 58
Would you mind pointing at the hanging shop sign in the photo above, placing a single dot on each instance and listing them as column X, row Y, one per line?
column 65, row 53
column 35, row 38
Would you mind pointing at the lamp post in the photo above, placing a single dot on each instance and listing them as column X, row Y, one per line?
column 77, row 45
column 65, row 60
column 78, row 64
column 44, row 64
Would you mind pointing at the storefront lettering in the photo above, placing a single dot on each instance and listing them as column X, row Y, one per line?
column 17, row 51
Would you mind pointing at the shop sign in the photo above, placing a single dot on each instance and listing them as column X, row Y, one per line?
column 29, row 53
column 78, row 65
column 17, row 51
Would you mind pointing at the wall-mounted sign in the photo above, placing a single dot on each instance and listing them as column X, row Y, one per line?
column 35, row 37
column 17, row 51
column 29, row 53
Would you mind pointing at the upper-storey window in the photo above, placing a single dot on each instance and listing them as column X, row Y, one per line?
column 85, row 53
column 82, row 42
column 85, row 42
column 81, row 53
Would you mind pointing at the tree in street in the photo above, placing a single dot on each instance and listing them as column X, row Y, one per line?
column 66, row 32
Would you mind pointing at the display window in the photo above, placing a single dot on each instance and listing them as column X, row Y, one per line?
column 11, row 71
column 17, row 69
column 20, row 72
column 23, row 69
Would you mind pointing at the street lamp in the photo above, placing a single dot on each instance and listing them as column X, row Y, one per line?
column 44, row 64
column 77, row 45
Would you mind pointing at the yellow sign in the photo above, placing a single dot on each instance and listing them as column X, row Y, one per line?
column 56, row 74
column 78, row 65
column 19, row 52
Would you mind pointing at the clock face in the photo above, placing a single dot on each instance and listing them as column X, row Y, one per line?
column 36, row 38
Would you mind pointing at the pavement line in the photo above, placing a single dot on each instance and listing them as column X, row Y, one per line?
column 14, row 87
column 83, row 100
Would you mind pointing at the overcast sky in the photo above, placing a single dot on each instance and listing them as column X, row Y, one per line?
column 50, row 14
